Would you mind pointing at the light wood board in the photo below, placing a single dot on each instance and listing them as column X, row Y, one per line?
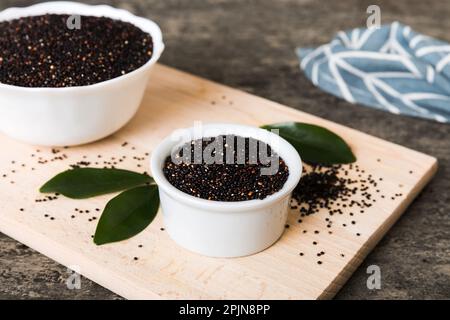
column 163, row 270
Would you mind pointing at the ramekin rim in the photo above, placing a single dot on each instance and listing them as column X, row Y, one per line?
column 158, row 46
column 295, row 173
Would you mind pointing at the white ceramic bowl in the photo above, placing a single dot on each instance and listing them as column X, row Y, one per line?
column 75, row 115
column 217, row 228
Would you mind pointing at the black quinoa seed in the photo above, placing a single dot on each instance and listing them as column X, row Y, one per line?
column 40, row 51
column 323, row 187
column 236, row 181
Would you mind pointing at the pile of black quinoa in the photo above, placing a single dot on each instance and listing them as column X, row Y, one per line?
column 331, row 188
column 41, row 51
column 225, row 181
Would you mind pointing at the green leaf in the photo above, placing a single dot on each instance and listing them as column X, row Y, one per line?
column 80, row 183
column 127, row 214
column 315, row 144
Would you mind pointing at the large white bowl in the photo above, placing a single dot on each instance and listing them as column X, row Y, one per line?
column 217, row 228
column 75, row 115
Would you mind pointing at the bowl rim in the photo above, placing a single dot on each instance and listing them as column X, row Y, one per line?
column 284, row 148
column 58, row 7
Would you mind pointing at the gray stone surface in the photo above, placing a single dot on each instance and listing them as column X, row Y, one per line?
column 250, row 45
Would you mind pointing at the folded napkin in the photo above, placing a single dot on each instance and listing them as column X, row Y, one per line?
column 391, row 68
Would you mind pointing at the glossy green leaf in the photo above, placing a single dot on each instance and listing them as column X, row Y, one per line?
column 80, row 183
column 127, row 214
column 315, row 144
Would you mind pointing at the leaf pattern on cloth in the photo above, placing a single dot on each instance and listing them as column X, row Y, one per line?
column 391, row 68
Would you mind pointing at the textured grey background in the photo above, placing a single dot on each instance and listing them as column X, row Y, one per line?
column 250, row 45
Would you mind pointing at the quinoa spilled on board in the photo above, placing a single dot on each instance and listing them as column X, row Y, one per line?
column 42, row 51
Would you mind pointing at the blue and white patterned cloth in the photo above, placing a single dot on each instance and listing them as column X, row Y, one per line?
column 391, row 68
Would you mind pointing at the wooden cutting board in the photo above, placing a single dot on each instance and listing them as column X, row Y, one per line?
column 151, row 265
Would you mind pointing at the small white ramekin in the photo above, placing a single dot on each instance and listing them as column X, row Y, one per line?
column 75, row 115
column 217, row 228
